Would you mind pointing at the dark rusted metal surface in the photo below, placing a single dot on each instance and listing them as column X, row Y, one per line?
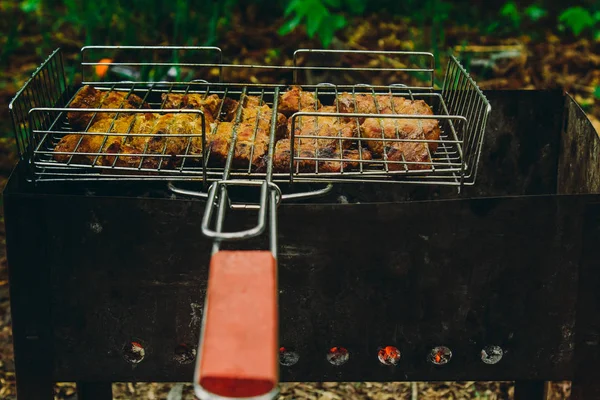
column 579, row 167
column 586, row 384
column 497, row 265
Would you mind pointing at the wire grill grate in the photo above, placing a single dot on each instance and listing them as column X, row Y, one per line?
column 460, row 112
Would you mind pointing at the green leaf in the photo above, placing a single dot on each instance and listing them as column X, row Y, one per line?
column 535, row 13
column 314, row 18
column 30, row 6
column 356, row 6
column 597, row 92
column 292, row 7
column 339, row 21
column 577, row 19
column 290, row 25
column 597, row 16
column 492, row 27
column 331, row 24
column 333, row 3
column 443, row 10
column 511, row 11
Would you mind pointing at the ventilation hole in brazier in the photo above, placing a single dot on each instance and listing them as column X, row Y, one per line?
column 389, row 355
column 491, row 354
column 288, row 357
column 440, row 355
column 133, row 352
column 338, row 355
column 184, row 354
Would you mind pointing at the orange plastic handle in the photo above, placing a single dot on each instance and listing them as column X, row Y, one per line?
column 238, row 356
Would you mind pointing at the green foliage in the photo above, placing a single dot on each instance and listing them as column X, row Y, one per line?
column 516, row 17
column 30, row 6
column 535, row 12
column 180, row 22
column 198, row 22
column 577, row 19
column 322, row 18
column 356, row 6
column 597, row 92
column 511, row 12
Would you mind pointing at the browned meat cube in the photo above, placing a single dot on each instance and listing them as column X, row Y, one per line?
column 261, row 116
column 94, row 144
column 325, row 126
column 89, row 97
column 251, row 145
column 180, row 127
column 380, row 128
column 348, row 157
column 208, row 104
column 388, row 104
column 431, row 127
column 295, row 99
column 147, row 142
column 357, row 103
column 142, row 138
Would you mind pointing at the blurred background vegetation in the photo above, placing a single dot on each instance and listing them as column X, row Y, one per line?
column 510, row 41
column 194, row 22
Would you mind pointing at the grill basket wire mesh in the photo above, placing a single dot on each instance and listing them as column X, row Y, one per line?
column 39, row 114
column 47, row 87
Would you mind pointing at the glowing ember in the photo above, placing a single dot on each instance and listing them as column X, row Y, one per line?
column 440, row 355
column 491, row 354
column 288, row 357
column 389, row 355
column 338, row 355
column 134, row 352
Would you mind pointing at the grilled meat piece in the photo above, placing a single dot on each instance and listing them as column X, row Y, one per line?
column 356, row 103
column 251, row 101
column 173, row 125
column 149, row 140
column 324, row 126
column 251, row 144
column 86, row 97
column 228, row 109
column 431, row 127
column 93, row 143
column 388, row 104
column 368, row 104
column 348, row 157
column 400, row 105
column 252, row 135
column 261, row 116
column 194, row 101
column 319, row 137
column 295, row 99
column 417, row 152
column 89, row 97
column 141, row 139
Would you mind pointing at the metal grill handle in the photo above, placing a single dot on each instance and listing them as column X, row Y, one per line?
column 220, row 188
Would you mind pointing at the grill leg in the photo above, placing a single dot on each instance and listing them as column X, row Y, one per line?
column 94, row 391
column 32, row 388
column 530, row 390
